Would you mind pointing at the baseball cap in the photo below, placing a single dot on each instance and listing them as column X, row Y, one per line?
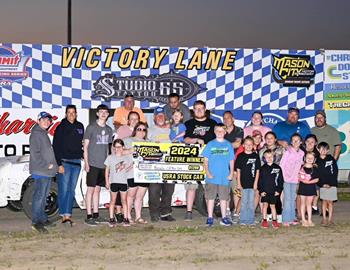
column 321, row 112
column 159, row 110
column 293, row 109
column 43, row 115
column 256, row 133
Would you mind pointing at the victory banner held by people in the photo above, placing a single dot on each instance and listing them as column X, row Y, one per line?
column 167, row 162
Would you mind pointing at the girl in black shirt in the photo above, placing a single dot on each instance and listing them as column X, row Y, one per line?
column 308, row 177
column 328, row 170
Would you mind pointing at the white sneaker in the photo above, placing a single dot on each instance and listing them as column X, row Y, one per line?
column 269, row 218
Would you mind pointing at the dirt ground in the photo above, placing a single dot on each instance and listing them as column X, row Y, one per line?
column 178, row 245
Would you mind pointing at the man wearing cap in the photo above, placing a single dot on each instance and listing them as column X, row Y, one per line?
column 199, row 130
column 160, row 194
column 42, row 167
column 327, row 133
column 121, row 114
column 285, row 129
column 175, row 104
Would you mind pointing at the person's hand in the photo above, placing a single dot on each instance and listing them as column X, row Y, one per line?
column 107, row 185
column 284, row 144
column 230, row 177
column 200, row 141
column 263, row 194
column 61, row 169
column 239, row 187
column 277, row 193
column 326, row 186
column 87, row 167
column 50, row 166
column 210, row 176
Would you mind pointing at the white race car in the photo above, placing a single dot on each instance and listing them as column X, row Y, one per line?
column 16, row 190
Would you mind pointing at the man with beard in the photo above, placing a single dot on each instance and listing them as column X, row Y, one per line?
column 285, row 129
column 199, row 130
column 175, row 104
column 327, row 133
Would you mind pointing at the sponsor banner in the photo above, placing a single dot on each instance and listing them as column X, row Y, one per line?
column 337, row 80
column 168, row 163
column 225, row 78
column 341, row 121
column 15, row 127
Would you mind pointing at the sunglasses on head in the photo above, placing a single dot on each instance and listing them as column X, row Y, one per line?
column 141, row 129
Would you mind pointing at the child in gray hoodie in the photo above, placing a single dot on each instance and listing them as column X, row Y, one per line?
column 42, row 167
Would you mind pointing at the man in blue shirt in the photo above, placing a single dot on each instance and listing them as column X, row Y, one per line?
column 285, row 129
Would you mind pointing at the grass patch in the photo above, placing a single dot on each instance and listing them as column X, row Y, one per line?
column 344, row 196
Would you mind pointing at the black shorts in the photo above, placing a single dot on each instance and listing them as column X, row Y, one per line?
column 269, row 198
column 119, row 187
column 132, row 184
column 95, row 177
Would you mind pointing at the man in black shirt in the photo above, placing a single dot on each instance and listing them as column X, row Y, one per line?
column 234, row 134
column 199, row 130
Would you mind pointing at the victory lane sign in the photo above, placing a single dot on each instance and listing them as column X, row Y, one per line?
column 154, row 88
column 167, row 163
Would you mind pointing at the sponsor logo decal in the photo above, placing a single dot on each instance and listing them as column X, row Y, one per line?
column 12, row 66
column 293, row 70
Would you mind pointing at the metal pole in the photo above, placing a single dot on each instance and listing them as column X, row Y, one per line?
column 69, row 17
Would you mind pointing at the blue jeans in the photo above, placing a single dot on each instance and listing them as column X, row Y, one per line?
column 66, row 185
column 290, row 194
column 247, row 206
column 41, row 191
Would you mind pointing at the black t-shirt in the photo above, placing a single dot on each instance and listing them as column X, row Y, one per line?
column 200, row 129
column 270, row 179
column 314, row 172
column 236, row 133
column 328, row 171
column 248, row 165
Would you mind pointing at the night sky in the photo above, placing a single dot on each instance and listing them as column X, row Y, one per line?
column 298, row 24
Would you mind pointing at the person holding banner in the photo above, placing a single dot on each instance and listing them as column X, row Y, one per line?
column 68, row 148
column 160, row 194
column 199, row 130
column 125, row 131
column 136, row 191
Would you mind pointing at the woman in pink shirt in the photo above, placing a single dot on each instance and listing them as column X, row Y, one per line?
column 257, row 123
column 291, row 162
column 125, row 131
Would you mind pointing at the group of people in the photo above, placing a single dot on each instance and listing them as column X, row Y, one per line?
column 270, row 168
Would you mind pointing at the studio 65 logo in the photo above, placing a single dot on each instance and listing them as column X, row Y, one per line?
column 154, row 88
